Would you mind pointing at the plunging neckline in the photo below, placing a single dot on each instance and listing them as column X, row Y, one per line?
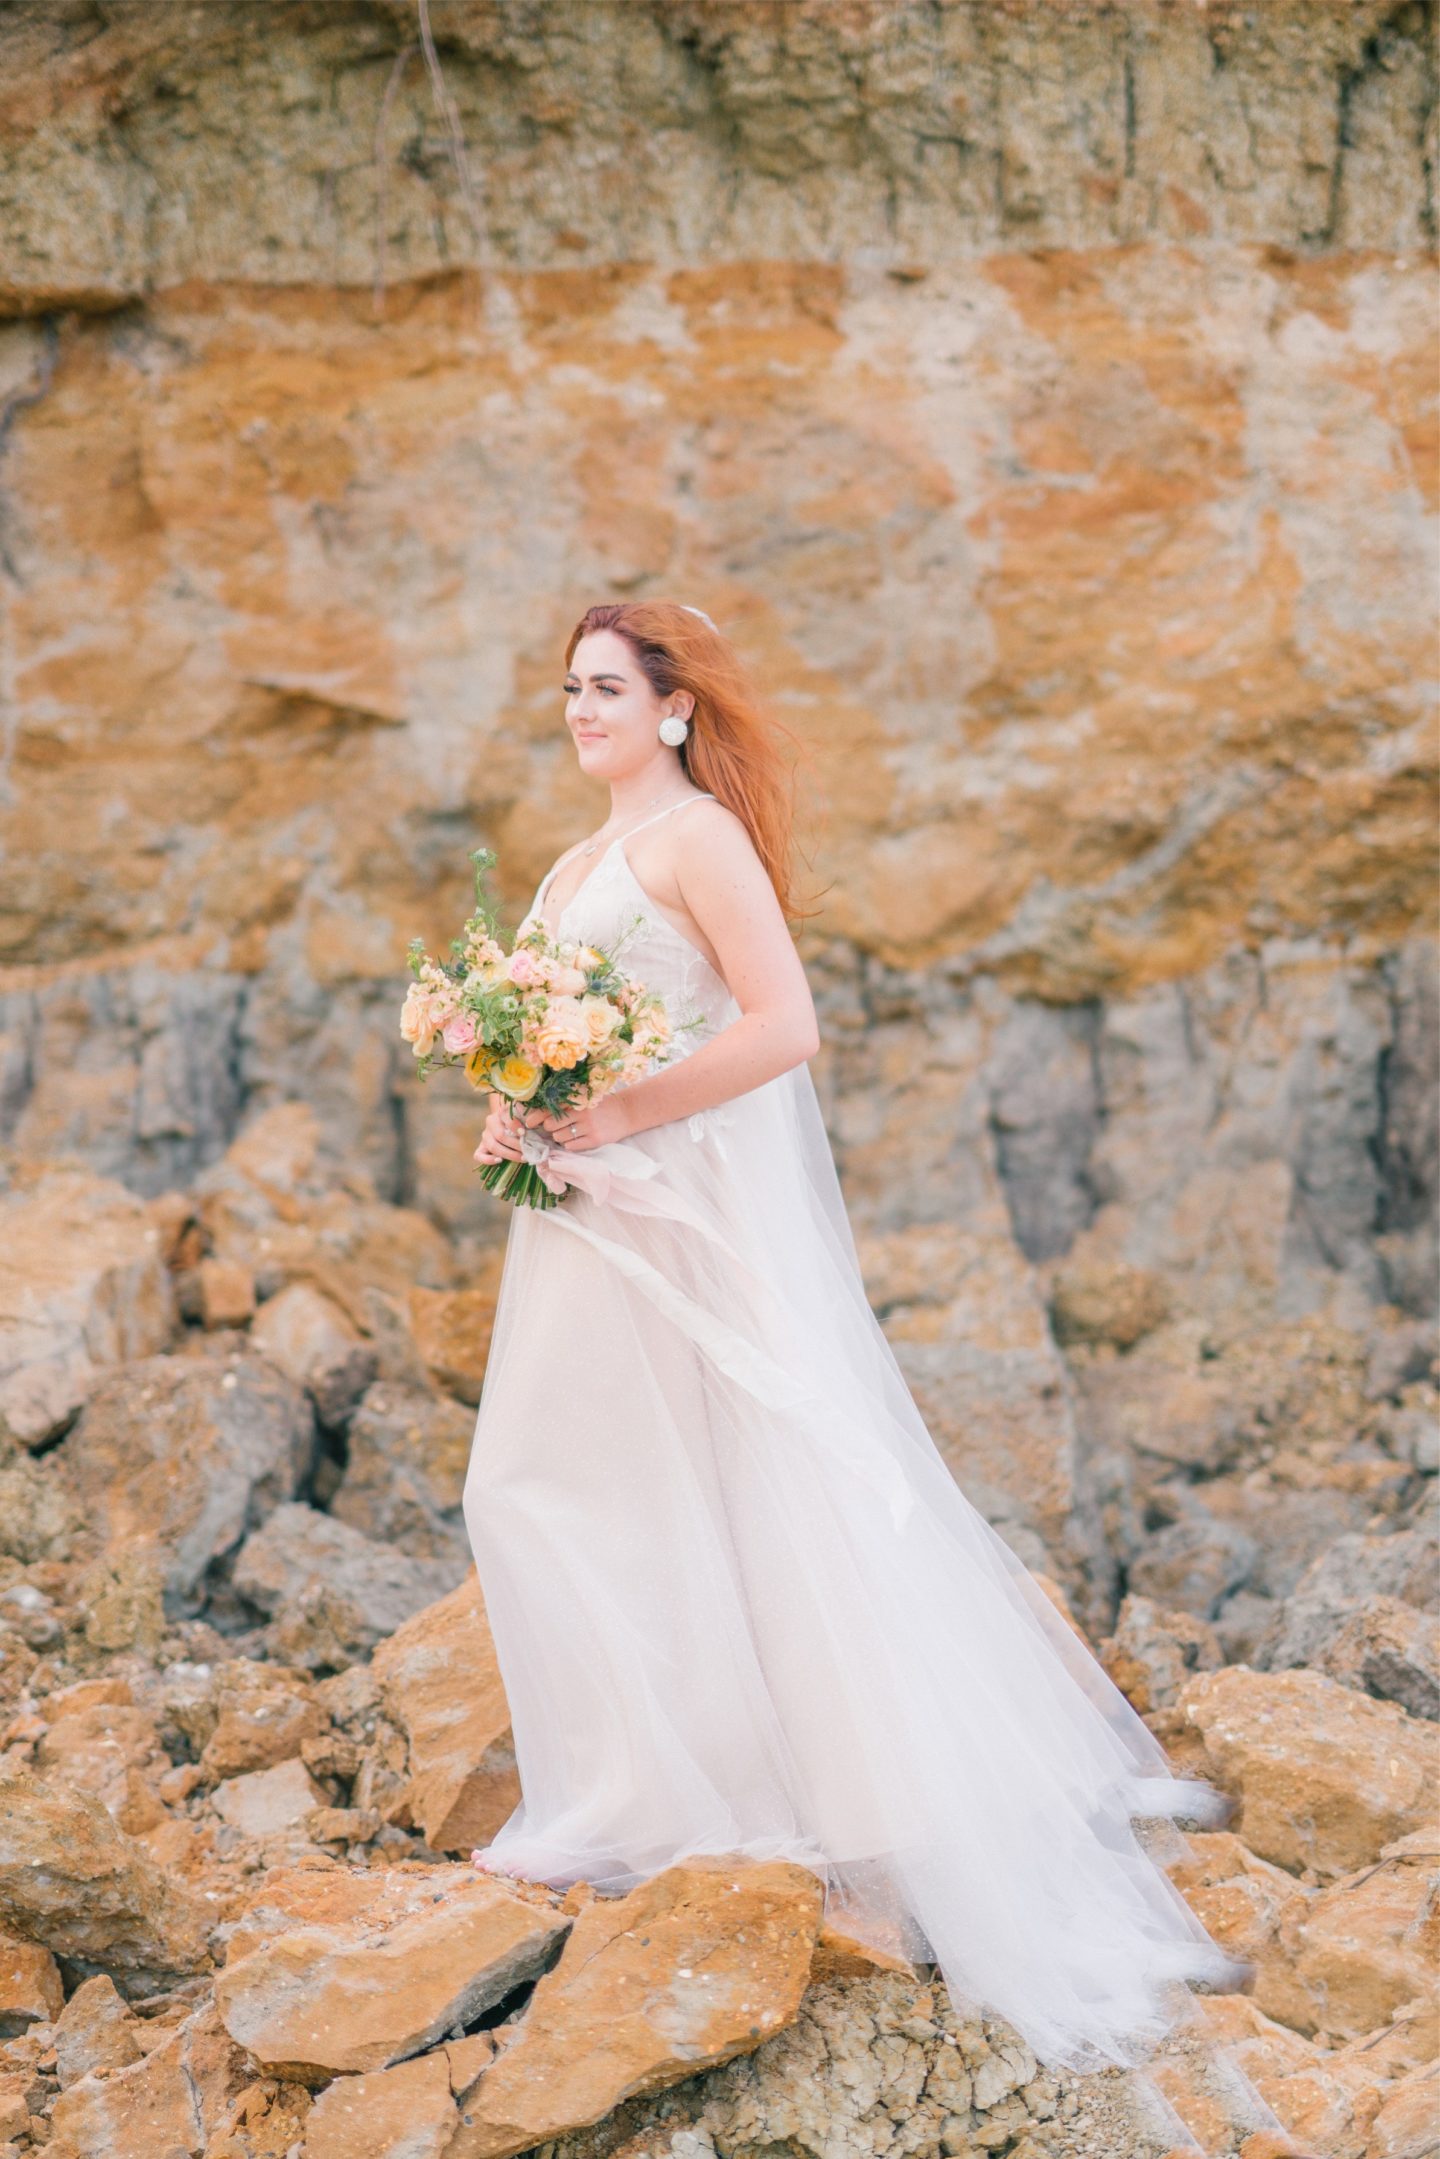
column 618, row 845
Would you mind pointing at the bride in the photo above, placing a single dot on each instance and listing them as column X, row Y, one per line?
column 738, row 1601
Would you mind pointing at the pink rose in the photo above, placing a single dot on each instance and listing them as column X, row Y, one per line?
column 521, row 969
column 458, row 1035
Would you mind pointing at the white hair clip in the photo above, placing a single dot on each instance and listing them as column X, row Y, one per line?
column 698, row 611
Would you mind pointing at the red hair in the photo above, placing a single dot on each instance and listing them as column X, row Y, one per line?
column 733, row 747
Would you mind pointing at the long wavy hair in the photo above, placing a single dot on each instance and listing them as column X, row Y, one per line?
column 733, row 747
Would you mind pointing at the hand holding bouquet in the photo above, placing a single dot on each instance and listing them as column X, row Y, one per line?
column 551, row 1025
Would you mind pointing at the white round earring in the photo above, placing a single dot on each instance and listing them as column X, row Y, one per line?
column 673, row 729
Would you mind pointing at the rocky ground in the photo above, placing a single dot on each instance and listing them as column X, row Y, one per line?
column 253, row 1725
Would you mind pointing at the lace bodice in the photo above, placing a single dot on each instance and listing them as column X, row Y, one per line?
column 613, row 909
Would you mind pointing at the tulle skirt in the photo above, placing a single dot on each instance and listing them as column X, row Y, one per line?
column 740, row 1604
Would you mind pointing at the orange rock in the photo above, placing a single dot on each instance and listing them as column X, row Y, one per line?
column 1247, row 1904
column 433, row 1949
column 1408, row 2123
column 408, row 2109
column 113, row 1750
column 1325, row 1776
column 170, row 2101
column 83, row 1287
column 703, row 1962
column 452, row 1330
column 441, row 1685
column 268, row 1800
column 70, row 1879
column 96, row 2030
column 30, row 1989
column 852, row 1947
column 264, row 1714
column 1370, row 1944
column 227, row 1293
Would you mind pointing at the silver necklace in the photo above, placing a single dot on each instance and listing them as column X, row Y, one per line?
column 589, row 847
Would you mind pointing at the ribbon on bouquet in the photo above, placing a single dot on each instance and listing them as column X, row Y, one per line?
column 626, row 1179
column 586, row 1172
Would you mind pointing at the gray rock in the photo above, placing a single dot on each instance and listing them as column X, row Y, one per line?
column 1242, row 1623
column 183, row 1455
column 1391, row 1650
column 406, row 1455
column 308, row 1336
column 330, row 1592
column 1342, row 1583
column 1195, row 1565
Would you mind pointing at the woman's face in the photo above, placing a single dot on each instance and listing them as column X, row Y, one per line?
column 611, row 711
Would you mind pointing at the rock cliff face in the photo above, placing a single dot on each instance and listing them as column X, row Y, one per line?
column 1044, row 399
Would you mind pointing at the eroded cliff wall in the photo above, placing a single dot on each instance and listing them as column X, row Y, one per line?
column 1043, row 398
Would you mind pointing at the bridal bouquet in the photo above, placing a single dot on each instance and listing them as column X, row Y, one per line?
column 552, row 1024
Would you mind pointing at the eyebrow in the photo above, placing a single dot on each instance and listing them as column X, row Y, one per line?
column 609, row 676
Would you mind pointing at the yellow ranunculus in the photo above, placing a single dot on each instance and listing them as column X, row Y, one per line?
column 517, row 1077
column 477, row 1066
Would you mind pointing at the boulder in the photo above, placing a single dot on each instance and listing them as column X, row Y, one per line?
column 407, row 2112
column 331, row 1593
column 120, row 1601
column 181, row 1456
column 705, row 1961
column 432, row 1950
column 225, row 1293
column 1153, row 1653
column 1094, row 1299
column 262, row 1714
column 83, row 1287
column 111, row 1749
column 309, row 1337
column 30, row 1989
column 452, row 1329
column 39, row 1518
column 1343, row 1580
column 1390, row 1650
column 1325, row 1777
column 168, row 2103
column 1324, row 2100
column 97, row 2029
column 1194, row 1564
column 407, row 1451
column 72, row 1881
column 267, row 1802
column 1404, row 2127
column 1370, row 1943
column 277, row 1207
column 1250, row 1908
column 441, row 1686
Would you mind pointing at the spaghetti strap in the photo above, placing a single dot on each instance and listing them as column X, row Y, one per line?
column 699, row 797
column 548, row 879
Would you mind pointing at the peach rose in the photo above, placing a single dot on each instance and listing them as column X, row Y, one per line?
column 601, row 1020
column 422, row 1016
column 562, row 1036
column 567, row 981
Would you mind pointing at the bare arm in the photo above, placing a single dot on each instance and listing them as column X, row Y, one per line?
column 724, row 885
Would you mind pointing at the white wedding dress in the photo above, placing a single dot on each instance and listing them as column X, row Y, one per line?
column 740, row 1604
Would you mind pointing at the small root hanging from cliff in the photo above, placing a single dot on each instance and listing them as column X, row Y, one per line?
column 455, row 139
column 449, row 112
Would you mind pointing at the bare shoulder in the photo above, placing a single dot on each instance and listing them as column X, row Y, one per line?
column 716, row 828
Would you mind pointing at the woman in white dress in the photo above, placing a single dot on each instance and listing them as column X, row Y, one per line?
column 738, row 1601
